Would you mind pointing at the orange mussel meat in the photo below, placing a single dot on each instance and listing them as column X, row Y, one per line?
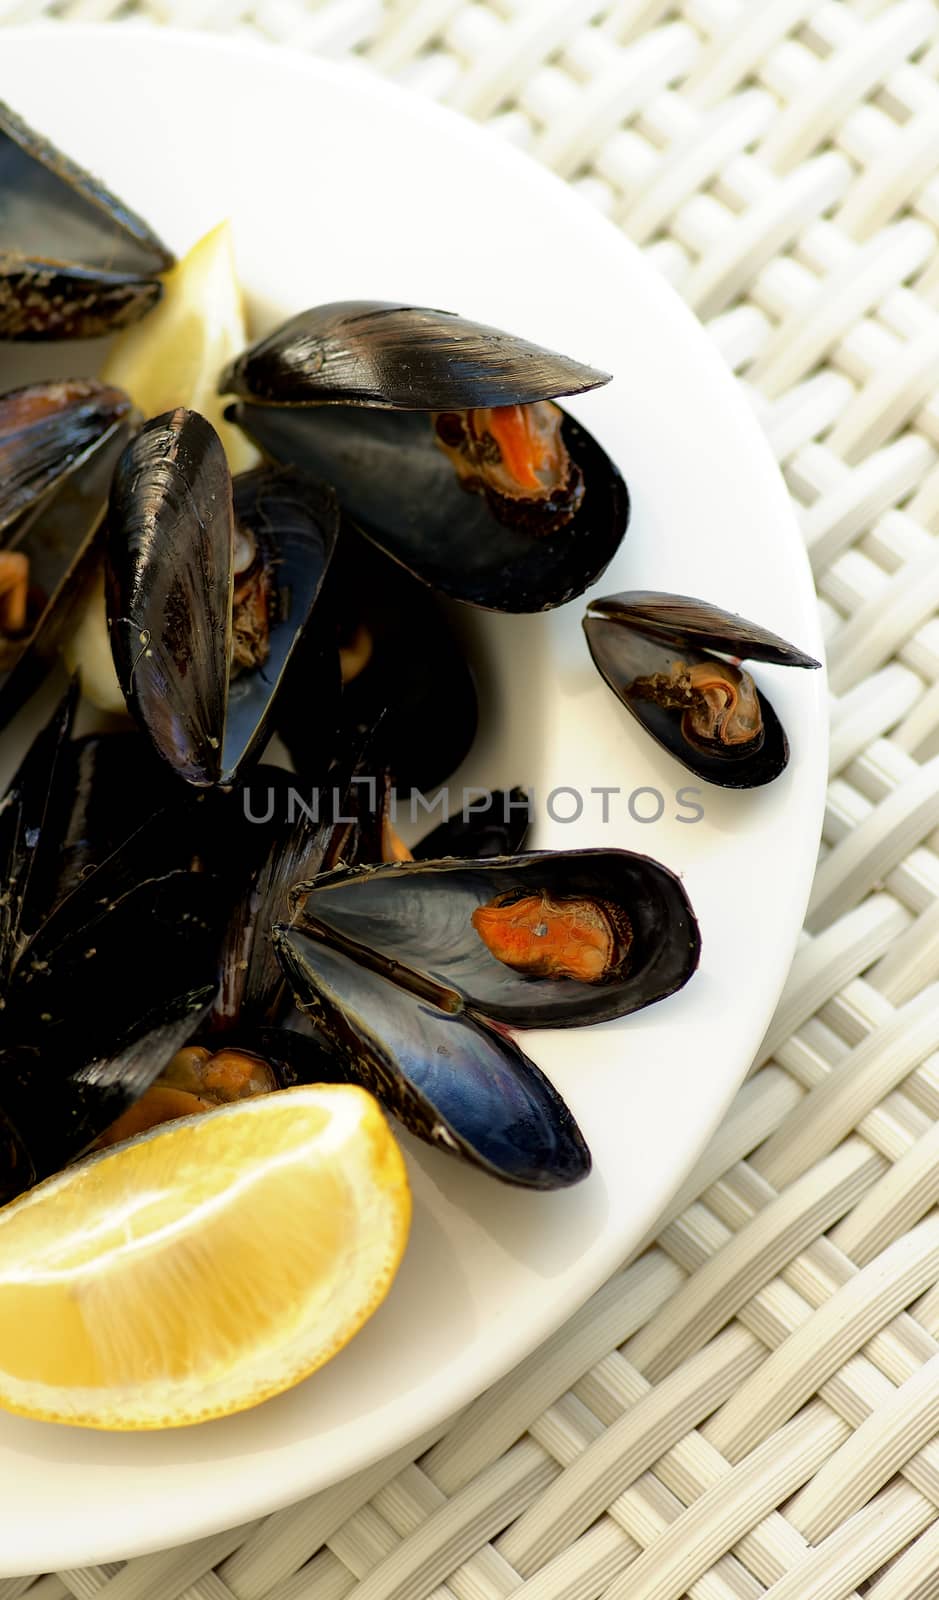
column 543, row 937
column 516, row 456
column 196, row 1080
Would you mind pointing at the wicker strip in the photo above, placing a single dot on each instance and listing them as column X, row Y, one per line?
column 751, row 1408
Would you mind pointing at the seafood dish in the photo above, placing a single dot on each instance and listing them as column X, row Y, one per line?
column 180, row 939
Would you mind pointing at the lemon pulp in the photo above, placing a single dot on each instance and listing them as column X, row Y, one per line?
column 204, row 1266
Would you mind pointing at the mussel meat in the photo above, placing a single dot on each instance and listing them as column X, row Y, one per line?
column 547, row 936
column 444, row 446
column 196, row 1079
column 75, row 262
column 516, row 457
column 656, row 652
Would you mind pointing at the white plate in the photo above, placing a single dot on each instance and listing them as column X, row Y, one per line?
column 341, row 186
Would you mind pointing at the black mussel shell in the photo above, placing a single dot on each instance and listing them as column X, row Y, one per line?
column 399, row 487
column 173, row 516
column 677, row 619
column 26, row 848
column 74, row 261
column 116, row 977
column 60, row 535
column 113, row 784
column 170, row 542
column 451, row 1080
column 46, row 430
column 382, row 353
column 54, row 1104
column 413, row 921
column 105, row 954
column 495, row 825
column 414, row 697
column 296, row 840
column 636, row 636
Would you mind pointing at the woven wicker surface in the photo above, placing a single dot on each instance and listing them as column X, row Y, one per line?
column 752, row 1407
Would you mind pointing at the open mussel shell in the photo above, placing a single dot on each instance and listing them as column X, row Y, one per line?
column 451, row 1080
column 58, row 538
column 295, row 524
column 414, row 921
column 173, row 521
column 403, row 357
column 75, row 262
column 397, row 485
column 45, row 431
column 656, row 652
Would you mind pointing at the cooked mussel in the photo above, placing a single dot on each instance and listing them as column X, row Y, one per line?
column 449, row 1078
column 412, row 971
column 58, row 446
column 75, row 262
column 548, row 939
column 445, row 447
column 658, row 654
column 104, row 973
column 46, row 431
column 210, row 589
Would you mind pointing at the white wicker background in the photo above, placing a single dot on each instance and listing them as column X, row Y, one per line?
column 752, row 1407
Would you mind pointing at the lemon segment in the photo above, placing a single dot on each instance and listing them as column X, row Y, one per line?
column 176, row 355
column 202, row 1267
column 87, row 651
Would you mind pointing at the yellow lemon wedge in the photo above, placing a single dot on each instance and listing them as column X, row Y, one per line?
column 173, row 357
column 204, row 1266
column 87, row 651
column 176, row 355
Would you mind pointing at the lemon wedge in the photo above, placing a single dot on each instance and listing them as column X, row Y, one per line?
column 176, row 355
column 202, row 1267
